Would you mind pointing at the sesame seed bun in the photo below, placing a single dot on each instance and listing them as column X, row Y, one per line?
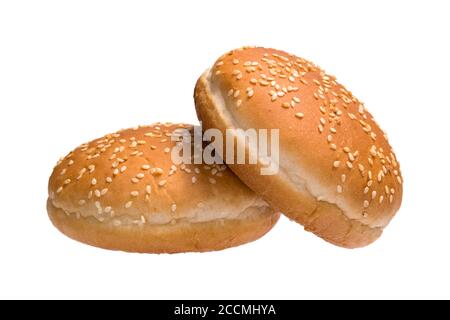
column 123, row 192
column 338, row 175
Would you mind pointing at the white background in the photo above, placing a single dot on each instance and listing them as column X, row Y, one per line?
column 71, row 71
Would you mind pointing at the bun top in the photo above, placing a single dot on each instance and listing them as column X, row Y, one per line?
column 129, row 177
column 329, row 142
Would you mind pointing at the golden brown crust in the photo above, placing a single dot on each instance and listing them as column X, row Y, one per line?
column 167, row 238
column 338, row 174
column 126, row 182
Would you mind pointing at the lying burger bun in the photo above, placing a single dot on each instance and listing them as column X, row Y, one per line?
column 122, row 192
column 338, row 175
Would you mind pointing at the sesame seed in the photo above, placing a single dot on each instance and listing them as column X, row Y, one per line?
column 297, row 100
column 156, row 171
column 82, row 171
column 392, row 190
column 333, row 146
column 339, row 188
column 123, row 169
column 343, row 178
column 59, row 190
column 366, row 190
column 90, row 193
column 285, row 105
column 238, row 103
column 97, row 193
column 134, row 193
column 212, row 180
column 364, row 214
column 336, row 164
column 250, row 93
column 332, row 130
column 67, row 181
column 369, row 183
column 70, row 162
column 399, row 180
column 194, row 179
column 91, row 168
column 162, row 183
column 299, row 115
column 236, row 93
column 374, row 194
column 145, row 167
column 346, row 149
column 135, row 180
column 107, row 210
column 235, row 61
column 116, row 172
column 360, row 166
column 173, row 207
column 366, row 204
column 329, row 138
column 349, row 164
column 391, row 198
column 94, row 181
column 63, row 172
column 230, row 92
column 148, row 189
column 361, row 109
column 128, row 204
column 322, row 121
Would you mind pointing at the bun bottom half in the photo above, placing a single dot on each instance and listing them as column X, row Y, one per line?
column 182, row 236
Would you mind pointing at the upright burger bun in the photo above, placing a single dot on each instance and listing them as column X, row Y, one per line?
column 338, row 175
column 123, row 192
